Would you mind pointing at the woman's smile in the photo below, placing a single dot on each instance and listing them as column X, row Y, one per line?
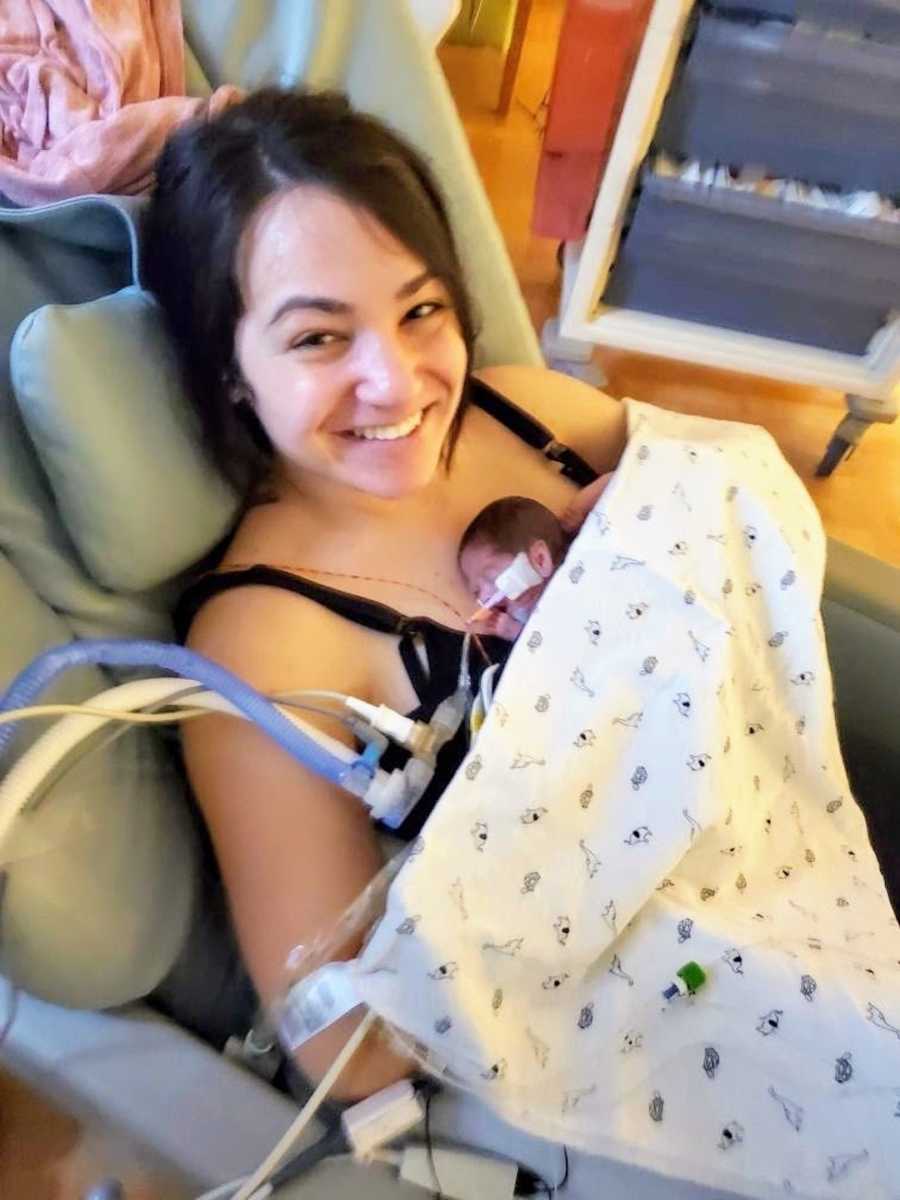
column 396, row 431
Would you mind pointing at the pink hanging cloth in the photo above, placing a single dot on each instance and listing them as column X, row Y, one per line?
column 89, row 91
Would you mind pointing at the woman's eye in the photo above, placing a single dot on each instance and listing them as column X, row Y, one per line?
column 426, row 309
column 314, row 341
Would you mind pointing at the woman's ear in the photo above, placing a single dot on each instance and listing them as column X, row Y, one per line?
column 238, row 389
column 540, row 558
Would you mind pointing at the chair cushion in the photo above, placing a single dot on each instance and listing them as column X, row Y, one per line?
column 100, row 875
column 100, row 394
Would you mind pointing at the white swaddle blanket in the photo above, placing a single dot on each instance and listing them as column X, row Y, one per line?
column 659, row 780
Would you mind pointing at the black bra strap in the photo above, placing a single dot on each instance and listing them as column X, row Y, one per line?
column 369, row 613
column 533, row 433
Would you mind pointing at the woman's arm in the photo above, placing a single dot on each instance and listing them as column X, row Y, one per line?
column 294, row 851
column 588, row 421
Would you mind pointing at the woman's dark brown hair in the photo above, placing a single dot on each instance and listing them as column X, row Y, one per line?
column 212, row 177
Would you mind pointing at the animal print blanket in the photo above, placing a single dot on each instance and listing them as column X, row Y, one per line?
column 659, row 781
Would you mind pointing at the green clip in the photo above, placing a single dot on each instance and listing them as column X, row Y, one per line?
column 692, row 976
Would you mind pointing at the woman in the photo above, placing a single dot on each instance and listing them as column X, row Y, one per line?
column 305, row 262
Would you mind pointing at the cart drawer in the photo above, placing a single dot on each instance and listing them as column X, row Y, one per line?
column 794, row 101
column 758, row 265
column 879, row 19
column 760, row 10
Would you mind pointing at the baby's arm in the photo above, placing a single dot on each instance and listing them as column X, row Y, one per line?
column 574, row 516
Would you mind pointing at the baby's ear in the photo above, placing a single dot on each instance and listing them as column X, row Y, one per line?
column 540, row 558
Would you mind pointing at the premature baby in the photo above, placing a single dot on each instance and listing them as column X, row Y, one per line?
column 506, row 556
column 508, row 553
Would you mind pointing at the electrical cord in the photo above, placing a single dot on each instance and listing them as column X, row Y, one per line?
column 429, row 1146
column 132, row 717
column 312, row 694
column 102, row 739
column 332, row 1144
column 331, row 1147
column 150, row 717
column 529, row 1183
column 224, row 1190
column 565, row 1179
column 285, row 1144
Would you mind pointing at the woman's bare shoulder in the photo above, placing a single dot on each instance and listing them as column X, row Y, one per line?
column 278, row 640
column 589, row 421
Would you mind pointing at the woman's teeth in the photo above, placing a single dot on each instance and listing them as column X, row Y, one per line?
column 389, row 433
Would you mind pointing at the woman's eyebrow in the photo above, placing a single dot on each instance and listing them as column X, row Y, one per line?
column 320, row 303
column 333, row 307
column 419, row 281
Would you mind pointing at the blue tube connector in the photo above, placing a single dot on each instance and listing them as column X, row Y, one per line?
column 28, row 685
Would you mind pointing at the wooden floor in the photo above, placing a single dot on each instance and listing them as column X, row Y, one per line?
column 859, row 504
column 47, row 1154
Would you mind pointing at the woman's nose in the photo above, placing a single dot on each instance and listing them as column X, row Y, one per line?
column 387, row 370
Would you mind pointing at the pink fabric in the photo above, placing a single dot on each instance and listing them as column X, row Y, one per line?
column 89, row 91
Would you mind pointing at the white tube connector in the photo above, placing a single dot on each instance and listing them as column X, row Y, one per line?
column 412, row 735
column 382, row 1118
column 392, row 797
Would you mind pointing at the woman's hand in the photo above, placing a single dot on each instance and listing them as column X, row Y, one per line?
column 574, row 516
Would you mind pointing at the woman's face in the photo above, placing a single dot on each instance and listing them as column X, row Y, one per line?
column 352, row 352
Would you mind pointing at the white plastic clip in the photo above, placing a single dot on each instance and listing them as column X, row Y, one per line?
column 383, row 1117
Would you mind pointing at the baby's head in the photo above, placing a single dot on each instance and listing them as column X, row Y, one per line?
column 514, row 541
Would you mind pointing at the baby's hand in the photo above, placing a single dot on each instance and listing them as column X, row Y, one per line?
column 574, row 516
column 497, row 623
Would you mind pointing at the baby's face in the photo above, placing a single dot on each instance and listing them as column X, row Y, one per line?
column 480, row 564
